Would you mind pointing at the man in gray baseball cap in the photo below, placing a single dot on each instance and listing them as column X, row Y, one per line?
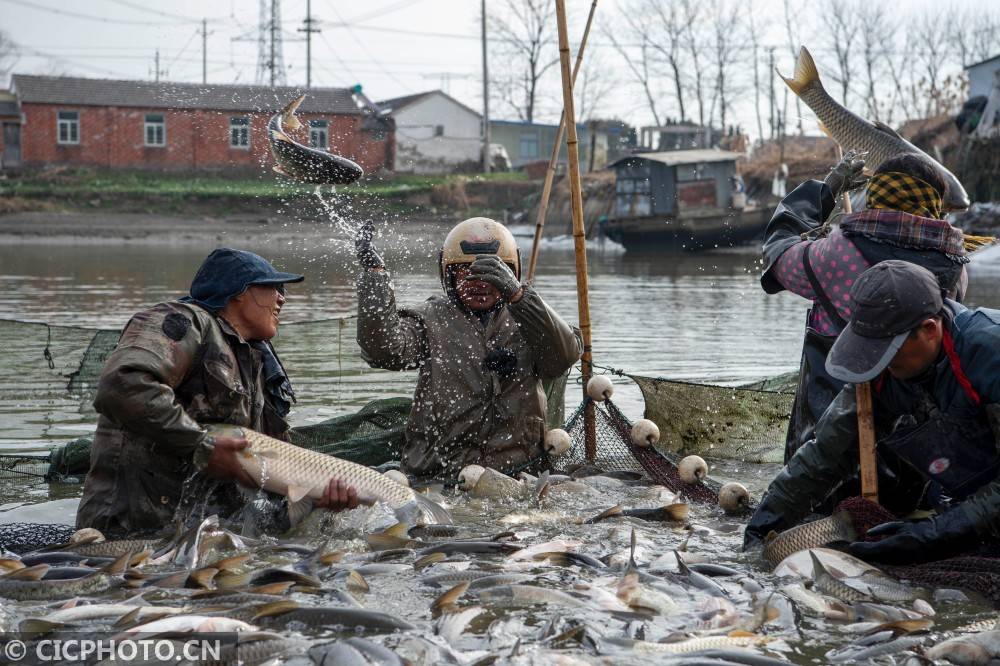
column 935, row 371
column 894, row 324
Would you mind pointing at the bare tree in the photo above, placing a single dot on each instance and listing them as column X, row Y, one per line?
column 692, row 17
column 641, row 67
column 974, row 34
column 593, row 86
column 793, row 46
column 727, row 30
column 10, row 53
column 931, row 55
column 841, row 20
column 526, row 30
column 874, row 54
column 755, row 43
column 670, row 31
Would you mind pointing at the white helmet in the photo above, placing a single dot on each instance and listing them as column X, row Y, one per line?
column 474, row 237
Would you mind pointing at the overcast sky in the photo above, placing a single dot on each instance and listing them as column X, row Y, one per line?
column 372, row 43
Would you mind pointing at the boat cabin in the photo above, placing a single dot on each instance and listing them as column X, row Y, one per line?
column 671, row 183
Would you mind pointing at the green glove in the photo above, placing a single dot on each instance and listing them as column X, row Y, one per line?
column 492, row 271
column 847, row 174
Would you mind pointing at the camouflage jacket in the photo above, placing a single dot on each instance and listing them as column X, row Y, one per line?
column 479, row 396
column 176, row 367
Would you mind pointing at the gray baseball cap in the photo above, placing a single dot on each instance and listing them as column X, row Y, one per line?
column 888, row 301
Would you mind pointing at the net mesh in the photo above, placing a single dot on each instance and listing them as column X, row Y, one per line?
column 734, row 423
column 977, row 571
column 615, row 451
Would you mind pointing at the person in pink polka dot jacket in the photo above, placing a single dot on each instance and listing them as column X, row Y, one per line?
column 902, row 220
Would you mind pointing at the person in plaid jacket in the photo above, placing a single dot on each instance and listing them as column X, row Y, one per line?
column 902, row 219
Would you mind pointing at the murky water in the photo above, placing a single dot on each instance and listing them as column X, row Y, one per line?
column 700, row 317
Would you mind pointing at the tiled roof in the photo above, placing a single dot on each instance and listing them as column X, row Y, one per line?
column 107, row 92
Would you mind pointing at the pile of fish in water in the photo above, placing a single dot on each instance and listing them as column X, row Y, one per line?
column 517, row 579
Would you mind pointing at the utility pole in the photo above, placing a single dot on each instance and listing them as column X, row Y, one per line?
column 309, row 30
column 156, row 67
column 770, row 69
column 486, row 97
column 274, row 27
column 204, row 51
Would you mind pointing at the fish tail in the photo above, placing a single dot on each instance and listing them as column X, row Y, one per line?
column 847, row 523
column 805, row 73
column 437, row 513
column 288, row 113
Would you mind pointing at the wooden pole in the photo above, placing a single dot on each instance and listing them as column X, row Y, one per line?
column 550, row 173
column 579, row 238
column 867, row 459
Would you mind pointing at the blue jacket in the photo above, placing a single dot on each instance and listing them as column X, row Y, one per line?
column 824, row 462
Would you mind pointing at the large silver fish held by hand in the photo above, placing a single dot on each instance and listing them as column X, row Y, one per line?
column 302, row 476
column 853, row 132
column 299, row 162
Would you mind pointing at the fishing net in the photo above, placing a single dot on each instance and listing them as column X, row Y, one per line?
column 50, row 374
column 26, row 537
column 615, row 451
column 977, row 571
column 734, row 423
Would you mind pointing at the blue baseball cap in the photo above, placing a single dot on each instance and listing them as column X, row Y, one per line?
column 226, row 273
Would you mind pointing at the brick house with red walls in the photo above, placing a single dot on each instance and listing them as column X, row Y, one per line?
column 185, row 126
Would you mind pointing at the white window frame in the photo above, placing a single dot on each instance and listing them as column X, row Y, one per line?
column 148, row 125
column 70, row 124
column 319, row 129
column 239, row 133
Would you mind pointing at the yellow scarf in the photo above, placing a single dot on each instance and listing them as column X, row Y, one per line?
column 899, row 191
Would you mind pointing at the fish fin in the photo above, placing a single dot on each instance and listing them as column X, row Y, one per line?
column 140, row 558
column 805, row 73
column 129, row 618
column 280, row 587
column 631, row 552
column 882, row 127
column 178, row 579
column 448, row 599
column 230, row 580
column 742, row 633
column 681, row 564
column 275, row 608
column 288, row 113
column 118, row 566
column 818, row 568
column 229, row 563
column 357, row 583
column 559, row 559
column 34, row 627
column 297, row 511
column 10, row 564
column 28, row 573
column 297, row 493
column 824, row 129
column 677, row 511
column 328, row 559
column 771, row 536
column 428, row 560
column 616, row 510
column 437, row 513
column 203, row 577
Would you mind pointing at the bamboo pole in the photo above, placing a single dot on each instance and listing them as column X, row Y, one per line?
column 867, row 459
column 550, row 173
column 579, row 238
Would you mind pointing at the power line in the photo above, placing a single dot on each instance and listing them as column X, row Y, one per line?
column 178, row 17
column 383, row 11
column 365, row 49
column 87, row 17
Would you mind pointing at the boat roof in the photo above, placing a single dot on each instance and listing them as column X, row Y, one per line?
column 675, row 157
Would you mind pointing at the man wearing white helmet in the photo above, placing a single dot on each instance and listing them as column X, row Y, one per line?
column 482, row 350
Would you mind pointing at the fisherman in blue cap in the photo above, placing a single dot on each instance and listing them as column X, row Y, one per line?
column 180, row 366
